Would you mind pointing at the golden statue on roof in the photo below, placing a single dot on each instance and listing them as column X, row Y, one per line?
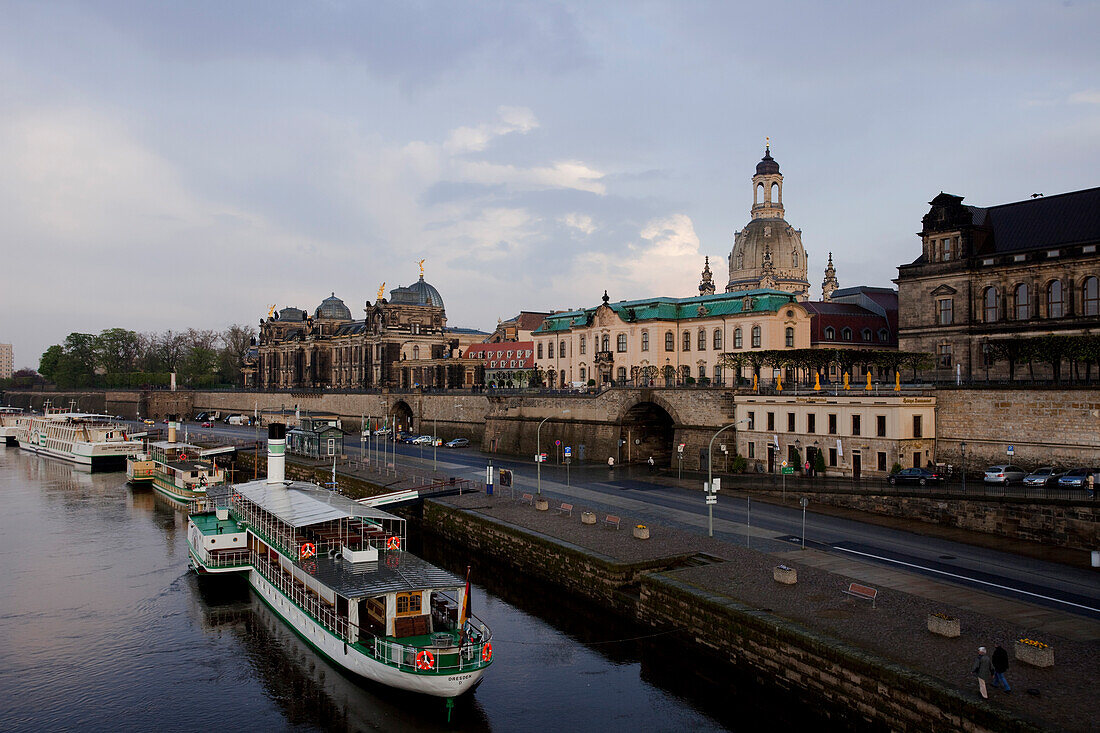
column 381, row 290
column 271, row 311
column 421, row 263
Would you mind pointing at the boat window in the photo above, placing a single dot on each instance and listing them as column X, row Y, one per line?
column 408, row 604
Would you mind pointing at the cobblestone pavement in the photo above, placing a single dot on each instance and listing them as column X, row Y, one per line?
column 1058, row 697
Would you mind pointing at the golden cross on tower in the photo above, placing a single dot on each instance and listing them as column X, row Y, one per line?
column 767, row 143
column 421, row 263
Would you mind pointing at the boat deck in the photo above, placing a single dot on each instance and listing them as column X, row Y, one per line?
column 210, row 524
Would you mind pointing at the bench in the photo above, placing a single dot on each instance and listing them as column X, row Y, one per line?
column 865, row 592
column 528, row 498
column 611, row 520
column 565, row 509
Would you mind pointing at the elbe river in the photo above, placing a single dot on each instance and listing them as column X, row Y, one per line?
column 104, row 628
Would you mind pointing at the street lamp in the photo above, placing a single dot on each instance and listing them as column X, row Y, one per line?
column 538, row 453
column 710, row 473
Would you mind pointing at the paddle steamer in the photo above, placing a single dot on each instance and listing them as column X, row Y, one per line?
column 86, row 439
column 8, row 424
column 181, row 472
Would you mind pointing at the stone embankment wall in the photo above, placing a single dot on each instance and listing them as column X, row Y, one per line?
column 823, row 670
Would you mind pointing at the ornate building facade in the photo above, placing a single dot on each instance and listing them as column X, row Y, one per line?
column 989, row 277
column 768, row 254
column 398, row 340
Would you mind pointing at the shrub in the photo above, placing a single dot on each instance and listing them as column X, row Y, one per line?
column 738, row 464
column 895, row 468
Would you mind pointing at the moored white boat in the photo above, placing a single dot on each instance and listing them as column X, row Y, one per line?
column 181, row 472
column 87, row 439
column 8, row 424
column 335, row 571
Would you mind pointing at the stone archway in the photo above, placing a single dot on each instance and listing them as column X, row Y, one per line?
column 646, row 429
column 402, row 416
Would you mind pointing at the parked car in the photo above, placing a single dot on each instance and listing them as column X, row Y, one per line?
column 208, row 424
column 147, row 421
column 1078, row 478
column 1045, row 476
column 423, row 440
column 200, row 417
column 920, row 476
column 457, row 443
column 1004, row 474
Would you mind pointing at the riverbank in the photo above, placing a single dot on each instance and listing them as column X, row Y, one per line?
column 880, row 662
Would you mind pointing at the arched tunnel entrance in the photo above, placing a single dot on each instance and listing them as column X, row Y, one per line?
column 402, row 416
column 646, row 430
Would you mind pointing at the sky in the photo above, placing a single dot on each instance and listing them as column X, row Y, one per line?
column 172, row 165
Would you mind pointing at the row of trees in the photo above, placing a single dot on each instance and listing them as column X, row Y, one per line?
column 807, row 362
column 1049, row 351
column 121, row 358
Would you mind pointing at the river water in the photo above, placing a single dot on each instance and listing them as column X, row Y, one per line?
column 102, row 627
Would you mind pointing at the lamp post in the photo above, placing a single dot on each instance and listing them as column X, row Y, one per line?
column 710, row 473
column 963, row 446
column 538, row 452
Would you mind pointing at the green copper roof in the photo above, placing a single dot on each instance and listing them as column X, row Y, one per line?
column 673, row 309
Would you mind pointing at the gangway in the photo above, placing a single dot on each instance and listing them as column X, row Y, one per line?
column 407, row 496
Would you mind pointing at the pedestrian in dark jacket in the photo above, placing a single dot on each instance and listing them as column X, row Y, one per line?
column 1000, row 666
column 983, row 670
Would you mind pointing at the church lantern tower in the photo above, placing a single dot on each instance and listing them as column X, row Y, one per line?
column 829, row 284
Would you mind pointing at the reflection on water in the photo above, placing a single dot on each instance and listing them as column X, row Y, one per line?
column 102, row 627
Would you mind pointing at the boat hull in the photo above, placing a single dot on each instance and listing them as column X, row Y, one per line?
column 94, row 461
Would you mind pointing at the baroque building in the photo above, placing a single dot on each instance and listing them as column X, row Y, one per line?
column 768, row 253
column 990, row 276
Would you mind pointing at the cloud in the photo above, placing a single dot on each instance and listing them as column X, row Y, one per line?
column 476, row 139
column 1090, row 96
column 580, row 222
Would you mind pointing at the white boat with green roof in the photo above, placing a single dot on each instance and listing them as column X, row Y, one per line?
column 181, row 472
column 336, row 571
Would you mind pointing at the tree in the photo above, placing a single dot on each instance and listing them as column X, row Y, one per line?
column 76, row 366
column 117, row 350
column 47, row 365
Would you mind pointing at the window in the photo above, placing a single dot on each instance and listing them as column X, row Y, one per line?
column 756, row 337
column 408, row 604
column 583, row 373
column 945, row 311
column 882, row 459
column 717, row 374
column 701, row 344
column 620, row 343
column 917, row 427
column 717, row 339
column 832, row 424
column 811, row 423
column 1090, row 297
column 752, row 421
column 540, row 349
column 561, row 349
column 645, row 340
column 620, row 375
column 416, row 352
column 687, row 341
column 832, row 456
column 771, row 421
column 947, row 250
column 550, row 350
column 752, row 450
column 880, row 426
column 883, row 335
column 582, row 344
column 605, row 343
column 944, row 356
column 790, row 422
column 830, row 333
column 846, row 334
column 737, row 338
column 788, row 337
column 702, row 371
column 1055, row 299
column 991, row 305
column 855, row 425
column 1023, row 302
column 866, row 334
column 670, row 341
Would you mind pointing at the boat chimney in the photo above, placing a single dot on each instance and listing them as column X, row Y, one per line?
column 173, row 426
column 276, row 453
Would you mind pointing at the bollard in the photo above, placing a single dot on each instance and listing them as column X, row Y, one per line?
column 1096, row 558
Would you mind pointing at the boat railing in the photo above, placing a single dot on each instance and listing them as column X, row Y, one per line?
column 442, row 656
column 227, row 558
column 310, row 602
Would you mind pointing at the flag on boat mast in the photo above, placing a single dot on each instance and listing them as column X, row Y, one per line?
column 465, row 615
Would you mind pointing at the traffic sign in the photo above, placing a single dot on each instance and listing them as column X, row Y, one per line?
column 557, row 442
column 788, row 470
column 712, row 499
column 568, row 451
column 783, row 464
column 716, row 484
column 1011, row 450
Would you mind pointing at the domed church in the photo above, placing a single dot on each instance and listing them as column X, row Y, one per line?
column 768, row 252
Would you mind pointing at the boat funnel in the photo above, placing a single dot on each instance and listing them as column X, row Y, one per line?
column 173, row 426
column 276, row 453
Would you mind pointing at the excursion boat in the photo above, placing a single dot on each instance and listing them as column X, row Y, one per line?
column 86, row 439
column 335, row 571
column 8, row 424
column 181, row 472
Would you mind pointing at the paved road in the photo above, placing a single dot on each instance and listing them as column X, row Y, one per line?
column 767, row 526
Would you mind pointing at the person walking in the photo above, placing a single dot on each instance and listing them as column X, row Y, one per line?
column 983, row 670
column 611, row 462
column 650, row 462
column 999, row 662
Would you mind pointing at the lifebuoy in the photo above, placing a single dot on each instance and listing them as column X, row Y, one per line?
column 308, row 550
column 487, row 652
column 393, row 543
column 425, row 660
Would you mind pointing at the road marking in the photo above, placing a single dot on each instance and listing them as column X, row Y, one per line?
column 968, row 579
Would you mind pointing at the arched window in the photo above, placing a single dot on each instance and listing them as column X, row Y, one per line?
column 830, row 333
column 717, row 374
column 883, row 335
column 1022, row 299
column 702, row 371
column 645, row 340
column 620, row 375
column 737, row 338
column 583, row 372
column 758, row 197
column 581, row 345
column 416, row 352
column 846, row 334
column 550, row 350
column 1090, row 297
column 717, row 339
column 687, row 341
column 605, row 343
column 561, row 349
column 991, row 305
column 788, row 337
column 775, row 193
column 670, row 341
column 756, row 337
column 866, row 334
column 620, row 344
column 1055, row 299
column 702, row 345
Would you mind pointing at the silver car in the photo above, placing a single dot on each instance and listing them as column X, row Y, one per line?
column 1004, row 474
column 1045, row 476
